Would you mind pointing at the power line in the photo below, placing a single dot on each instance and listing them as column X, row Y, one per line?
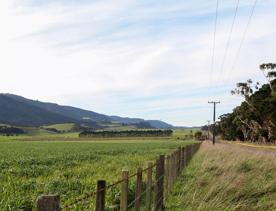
column 228, row 42
column 243, row 37
column 214, row 42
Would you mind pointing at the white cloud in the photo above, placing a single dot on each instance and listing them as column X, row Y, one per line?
column 102, row 55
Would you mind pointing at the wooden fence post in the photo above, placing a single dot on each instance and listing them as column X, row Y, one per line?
column 100, row 196
column 181, row 159
column 157, row 172
column 193, row 149
column 174, row 167
column 149, row 187
column 167, row 173
column 162, row 171
column 189, row 153
column 159, row 191
column 138, row 189
column 185, row 156
column 124, row 191
column 48, row 203
column 176, row 163
column 170, row 178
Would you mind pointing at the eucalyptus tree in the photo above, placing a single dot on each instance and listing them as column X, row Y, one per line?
column 256, row 116
column 270, row 75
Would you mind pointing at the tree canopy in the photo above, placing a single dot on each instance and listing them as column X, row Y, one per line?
column 255, row 119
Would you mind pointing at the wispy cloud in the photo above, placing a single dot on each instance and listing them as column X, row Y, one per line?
column 143, row 58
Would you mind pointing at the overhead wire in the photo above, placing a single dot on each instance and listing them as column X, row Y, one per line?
column 214, row 44
column 228, row 43
column 236, row 58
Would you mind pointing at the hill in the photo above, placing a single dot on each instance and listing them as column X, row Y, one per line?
column 17, row 110
column 153, row 123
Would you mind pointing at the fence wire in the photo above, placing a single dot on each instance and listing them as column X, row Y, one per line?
column 84, row 199
column 144, row 192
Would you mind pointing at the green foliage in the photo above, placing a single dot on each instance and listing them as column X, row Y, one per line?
column 253, row 120
column 246, row 166
column 228, row 127
column 127, row 133
column 9, row 130
column 198, row 135
column 70, row 168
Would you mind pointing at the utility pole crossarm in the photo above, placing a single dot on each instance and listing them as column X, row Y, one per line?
column 216, row 102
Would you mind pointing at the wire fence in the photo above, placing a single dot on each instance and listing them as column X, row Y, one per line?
column 148, row 194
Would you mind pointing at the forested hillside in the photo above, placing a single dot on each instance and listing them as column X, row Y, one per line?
column 20, row 111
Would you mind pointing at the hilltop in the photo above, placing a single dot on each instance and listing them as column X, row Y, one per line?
column 20, row 111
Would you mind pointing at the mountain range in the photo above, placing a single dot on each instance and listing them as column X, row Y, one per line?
column 20, row 111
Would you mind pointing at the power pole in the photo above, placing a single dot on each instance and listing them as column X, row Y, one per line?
column 214, row 119
column 208, row 134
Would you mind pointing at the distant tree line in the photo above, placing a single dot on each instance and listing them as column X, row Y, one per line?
column 199, row 136
column 127, row 133
column 255, row 119
column 9, row 131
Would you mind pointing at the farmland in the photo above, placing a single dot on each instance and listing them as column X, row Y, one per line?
column 30, row 168
column 61, row 127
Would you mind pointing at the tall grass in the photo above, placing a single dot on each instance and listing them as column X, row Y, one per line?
column 226, row 177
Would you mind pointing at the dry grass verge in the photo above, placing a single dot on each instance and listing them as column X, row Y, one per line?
column 226, row 177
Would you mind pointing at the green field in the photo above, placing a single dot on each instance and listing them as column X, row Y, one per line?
column 185, row 133
column 61, row 127
column 70, row 168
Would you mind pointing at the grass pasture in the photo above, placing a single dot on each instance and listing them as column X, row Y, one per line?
column 61, row 127
column 183, row 133
column 28, row 169
column 226, row 177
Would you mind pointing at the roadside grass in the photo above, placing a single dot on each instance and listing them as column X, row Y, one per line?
column 70, row 168
column 253, row 145
column 226, row 177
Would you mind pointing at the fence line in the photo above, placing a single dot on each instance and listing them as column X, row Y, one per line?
column 167, row 169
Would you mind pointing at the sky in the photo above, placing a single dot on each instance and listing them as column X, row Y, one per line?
column 150, row 59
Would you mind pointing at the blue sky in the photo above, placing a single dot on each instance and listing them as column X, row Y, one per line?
column 146, row 58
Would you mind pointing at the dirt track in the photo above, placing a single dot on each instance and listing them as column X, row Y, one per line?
column 250, row 148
